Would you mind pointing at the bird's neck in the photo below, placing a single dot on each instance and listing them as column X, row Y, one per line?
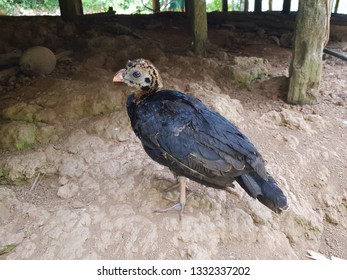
column 142, row 95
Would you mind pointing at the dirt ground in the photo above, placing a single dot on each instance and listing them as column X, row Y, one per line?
column 85, row 189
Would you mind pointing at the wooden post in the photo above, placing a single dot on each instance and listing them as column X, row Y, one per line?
column 70, row 9
column 242, row 5
column 198, row 20
column 270, row 5
column 257, row 6
column 246, row 6
column 189, row 12
column 286, row 7
column 189, row 6
column 156, row 6
column 224, row 5
column 306, row 65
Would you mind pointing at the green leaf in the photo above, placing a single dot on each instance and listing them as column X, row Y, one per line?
column 7, row 248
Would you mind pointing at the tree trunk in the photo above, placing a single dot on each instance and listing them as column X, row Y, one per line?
column 189, row 12
column 270, row 5
column 198, row 20
column 156, row 6
column 224, row 5
column 70, row 9
column 286, row 7
column 242, row 5
column 336, row 6
column 306, row 65
column 257, row 6
column 246, row 6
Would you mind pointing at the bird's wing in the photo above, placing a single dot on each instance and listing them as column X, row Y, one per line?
column 192, row 137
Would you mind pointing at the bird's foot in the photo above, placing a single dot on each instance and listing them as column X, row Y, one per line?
column 178, row 206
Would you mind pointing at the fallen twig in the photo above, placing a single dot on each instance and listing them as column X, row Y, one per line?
column 36, row 181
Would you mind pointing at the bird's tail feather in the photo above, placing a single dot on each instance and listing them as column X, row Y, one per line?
column 267, row 192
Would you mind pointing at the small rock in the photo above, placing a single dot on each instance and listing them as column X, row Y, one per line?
column 17, row 136
column 332, row 217
column 63, row 181
column 20, row 112
column 67, row 191
column 21, row 168
column 76, row 204
column 329, row 201
column 286, row 118
column 245, row 70
column 37, row 60
column 72, row 166
column 291, row 140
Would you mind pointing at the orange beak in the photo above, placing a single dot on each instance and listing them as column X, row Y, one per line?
column 118, row 78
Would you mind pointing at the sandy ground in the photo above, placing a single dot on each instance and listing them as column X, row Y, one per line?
column 87, row 190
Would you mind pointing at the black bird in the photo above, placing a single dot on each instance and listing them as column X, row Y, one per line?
column 180, row 132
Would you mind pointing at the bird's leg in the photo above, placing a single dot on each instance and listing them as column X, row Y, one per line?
column 179, row 206
column 174, row 182
column 172, row 187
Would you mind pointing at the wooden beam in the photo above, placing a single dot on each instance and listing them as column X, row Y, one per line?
column 306, row 65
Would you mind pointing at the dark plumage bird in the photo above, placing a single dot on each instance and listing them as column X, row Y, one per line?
column 180, row 132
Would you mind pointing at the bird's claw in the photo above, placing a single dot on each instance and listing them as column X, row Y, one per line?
column 177, row 207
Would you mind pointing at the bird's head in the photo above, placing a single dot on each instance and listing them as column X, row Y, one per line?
column 140, row 74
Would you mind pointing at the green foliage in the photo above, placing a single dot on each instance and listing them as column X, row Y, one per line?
column 18, row 7
column 121, row 7
column 7, row 248
column 13, row 7
column 214, row 5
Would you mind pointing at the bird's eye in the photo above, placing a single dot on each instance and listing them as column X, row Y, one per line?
column 136, row 74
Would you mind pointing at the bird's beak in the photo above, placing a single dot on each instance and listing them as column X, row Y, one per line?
column 118, row 78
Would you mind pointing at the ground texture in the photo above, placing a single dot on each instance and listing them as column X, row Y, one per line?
column 76, row 183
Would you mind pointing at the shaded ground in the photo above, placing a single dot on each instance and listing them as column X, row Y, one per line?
column 87, row 190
